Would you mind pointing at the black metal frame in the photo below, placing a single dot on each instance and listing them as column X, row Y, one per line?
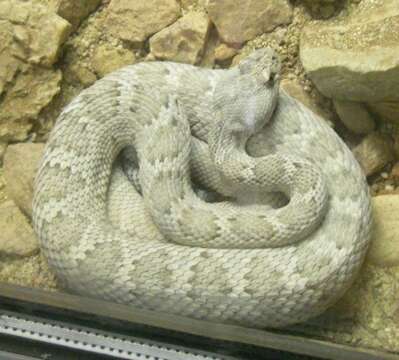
column 237, row 342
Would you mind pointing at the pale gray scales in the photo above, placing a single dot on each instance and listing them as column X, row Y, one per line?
column 131, row 229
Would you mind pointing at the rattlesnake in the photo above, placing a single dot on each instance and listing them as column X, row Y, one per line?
column 281, row 239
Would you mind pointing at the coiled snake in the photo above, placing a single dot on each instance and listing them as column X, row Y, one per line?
column 125, row 203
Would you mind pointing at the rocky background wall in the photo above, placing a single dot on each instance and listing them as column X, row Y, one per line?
column 340, row 58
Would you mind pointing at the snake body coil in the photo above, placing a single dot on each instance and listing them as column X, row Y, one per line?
column 119, row 217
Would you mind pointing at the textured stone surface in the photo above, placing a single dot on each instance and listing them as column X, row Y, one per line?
column 74, row 11
column 135, row 21
column 239, row 21
column 182, row 41
column 387, row 111
column 107, row 58
column 208, row 57
column 16, row 236
column 294, row 88
column 374, row 152
column 395, row 171
column 355, row 116
column 192, row 4
column 30, row 40
column 20, row 166
column 395, row 137
column 356, row 58
column 33, row 32
column 9, row 65
column 78, row 74
column 323, row 9
column 31, row 91
column 3, row 147
column 384, row 249
column 224, row 52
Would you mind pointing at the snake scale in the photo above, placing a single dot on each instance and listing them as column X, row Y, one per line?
column 206, row 193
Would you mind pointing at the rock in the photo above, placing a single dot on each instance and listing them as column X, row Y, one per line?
column 20, row 166
column 395, row 172
column 30, row 39
column 9, row 65
column 294, row 89
column 374, row 152
column 74, row 11
column 322, row 8
column 107, row 58
column 3, row 147
column 355, row 59
column 387, row 111
column 208, row 57
column 78, row 74
column 224, row 52
column 27, row 95
column 136, row 20
column 192, row 4
column 355, row 116
column 16, row 236
column 395, row 136
column 384, row 248
column 239, row 21
column 182, row 41
column 34, row 33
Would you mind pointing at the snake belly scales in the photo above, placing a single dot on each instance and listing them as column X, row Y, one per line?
column 121, row 201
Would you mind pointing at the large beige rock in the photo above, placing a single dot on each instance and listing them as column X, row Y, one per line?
column 355, row 116
column 36, row 32
column 74, row 11
column 30, row 39
column 27, row 95
column 20, row 166
column 374, row 152
column 356, row 58
column 16, row 236
column 239, row 21
column 182, row 41
column 136, row 20
column 9, row 65
column 107, row 58
column 384, row 249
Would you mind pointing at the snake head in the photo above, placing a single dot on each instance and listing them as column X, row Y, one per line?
column 245, row 97
column 263, row 64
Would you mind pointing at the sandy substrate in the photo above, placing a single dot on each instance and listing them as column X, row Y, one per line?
column 32, row 271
